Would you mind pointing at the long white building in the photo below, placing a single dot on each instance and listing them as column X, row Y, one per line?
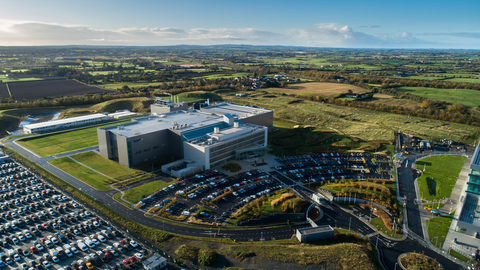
column 64, row 123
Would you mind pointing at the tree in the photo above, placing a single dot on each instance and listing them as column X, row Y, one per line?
column 284, row 84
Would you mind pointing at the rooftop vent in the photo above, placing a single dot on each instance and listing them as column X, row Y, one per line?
column 136, row 132
column 216, row 130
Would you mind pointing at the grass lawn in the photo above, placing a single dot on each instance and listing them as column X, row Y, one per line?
column 317, row 89
column 232, row 167
column 438, row 229
column 65, row 141
column 378, row 223
column 444, row 170
column 82, row 173
column 106, row 166
column 136, row 194
column 466, row 96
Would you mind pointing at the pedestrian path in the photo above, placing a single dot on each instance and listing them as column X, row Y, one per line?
column 452, row 202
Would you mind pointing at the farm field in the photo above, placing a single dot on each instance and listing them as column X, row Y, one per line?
column 443, row 170
column 134, row 195
column 4, row 79
column 61, row 142
column 362, row 123
column 115, row 86
column 51, row 88
column 218, row 76
column 82, row 173
column 317, row 89
column 468, row 97
column 106, row 166
column 4, row 91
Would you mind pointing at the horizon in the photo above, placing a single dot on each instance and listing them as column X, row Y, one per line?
column 346, row 24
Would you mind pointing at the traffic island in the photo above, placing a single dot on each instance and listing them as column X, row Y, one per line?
column 412, row 260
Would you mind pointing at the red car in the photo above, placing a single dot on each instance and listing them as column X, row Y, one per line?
column 108, row 255
column 126, row 262
column 34, row 249
column 133, row 259
column 122, row 242
column 42, row 240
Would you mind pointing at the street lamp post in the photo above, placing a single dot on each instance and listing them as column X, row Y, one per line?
column 395, row 266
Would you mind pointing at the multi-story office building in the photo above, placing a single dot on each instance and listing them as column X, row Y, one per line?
column 209, row 137
column 469, row 220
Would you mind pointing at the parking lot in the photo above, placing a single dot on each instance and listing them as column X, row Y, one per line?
column 40, row 228
column 321, row 167
column 211, row 196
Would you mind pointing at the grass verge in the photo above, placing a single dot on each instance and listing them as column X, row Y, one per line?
column 380, row 225
column 106, row 166
column 117, row 196
column 136, row 194
column 437, row 230
column 82, row 173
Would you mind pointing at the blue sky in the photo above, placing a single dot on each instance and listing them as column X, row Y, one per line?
column 355, row 24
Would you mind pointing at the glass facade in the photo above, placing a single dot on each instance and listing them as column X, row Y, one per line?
column 226, row 151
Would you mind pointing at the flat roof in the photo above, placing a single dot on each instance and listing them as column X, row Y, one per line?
column 233, row 109
column 149, row 124
column 65, row 121
column 315, row 229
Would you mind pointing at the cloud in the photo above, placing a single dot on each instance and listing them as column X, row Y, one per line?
column 336, row 35
column 475, row 35
column 322, row 35
column 369, row 26
column 37, row 33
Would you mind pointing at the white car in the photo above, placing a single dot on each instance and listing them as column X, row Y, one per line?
column 74, row 250
column 133, row 243
column 138, row 255
column 16, row 257
column 96, row 223
column 102, row 238
column 68, row 253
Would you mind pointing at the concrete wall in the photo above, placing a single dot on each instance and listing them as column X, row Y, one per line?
column 123, row 151
column 154, row 108
column 264, row 119
column 195, row 153
column 472, row 230
column 156, row 144
column 104, row 142
column 175, row 144
column 302, row 238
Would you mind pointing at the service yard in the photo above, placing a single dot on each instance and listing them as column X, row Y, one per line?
column 40, row 228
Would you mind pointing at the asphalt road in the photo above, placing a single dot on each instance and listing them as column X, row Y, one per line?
column 334, row 216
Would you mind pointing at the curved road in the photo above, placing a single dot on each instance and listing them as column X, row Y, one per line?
column 334, row 216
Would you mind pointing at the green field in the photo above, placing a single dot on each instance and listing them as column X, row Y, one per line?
column 468, row 97
column 82, row 173
column 106, row 166
column 444, row 170
column 362, row 123
column 438, row 229
column 4, row 79
column 61, row 142
column 136, row 194
column 198, row 96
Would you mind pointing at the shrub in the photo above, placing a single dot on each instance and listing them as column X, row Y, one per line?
column 208, row 257
column 281, row 199
column 285, row 206
column 187, row 252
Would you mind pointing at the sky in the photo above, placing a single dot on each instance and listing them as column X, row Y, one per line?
column 315, row 23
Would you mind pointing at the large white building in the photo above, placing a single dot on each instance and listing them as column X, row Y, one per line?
column 64, row 123
column 208, row 137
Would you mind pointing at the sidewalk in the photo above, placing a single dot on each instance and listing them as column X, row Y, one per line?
column 458, row 189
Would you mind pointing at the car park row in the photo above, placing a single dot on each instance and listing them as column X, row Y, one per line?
column 41, row 228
